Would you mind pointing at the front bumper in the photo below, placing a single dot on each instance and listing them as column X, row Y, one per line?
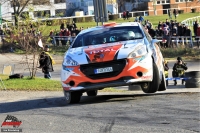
column 128, row 75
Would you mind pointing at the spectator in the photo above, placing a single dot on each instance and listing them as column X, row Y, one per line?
column 175, row 13
column 77, row 31
column 127, row 14
column 136, row 19
column 179, row 70
column 183, row 33
column 57, row 38
column 74, row 24
column 72, row 37
column 152, row 32
column 188, row 33
column 62, row 38
column 167, row 22
column 62, row 26
column 141, row 19
column 148, row 24
column 160, row 28
column 124, row 15
column 46, row 62
column 68, row 25
column 174, row 34
column 165, row 35
column 67, row 35
column 51, row 35
column 195, row 26
column 169, row 14
column 157, row 32
column 166, row 68
column 198, row 35
column 179, row 32
column 1, row 34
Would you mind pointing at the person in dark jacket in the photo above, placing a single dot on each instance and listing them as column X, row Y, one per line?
column 166, row 68
column 195, row 26
column 179, row 69
column 46, row 62
column 188, row 33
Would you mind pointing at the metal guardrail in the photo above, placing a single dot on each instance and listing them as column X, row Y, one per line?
column 190, row 21
column 178, row 39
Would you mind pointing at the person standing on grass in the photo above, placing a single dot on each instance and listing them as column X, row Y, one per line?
column 169, row 14
column 46, row 62
column 175, row 13
column 198, row 35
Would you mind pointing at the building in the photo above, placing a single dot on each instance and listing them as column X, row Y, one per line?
column 63, row 8
column 158, row 7
column 57, row 8
column 87, row 7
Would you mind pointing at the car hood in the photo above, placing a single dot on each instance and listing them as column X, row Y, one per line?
column 103, row 52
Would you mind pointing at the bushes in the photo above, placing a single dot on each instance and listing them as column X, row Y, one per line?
column 63, row 20
column 113, row 16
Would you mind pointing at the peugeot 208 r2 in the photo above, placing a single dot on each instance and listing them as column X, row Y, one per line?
column 112, row 55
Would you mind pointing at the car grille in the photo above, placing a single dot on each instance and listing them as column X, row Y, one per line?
column 117, row 65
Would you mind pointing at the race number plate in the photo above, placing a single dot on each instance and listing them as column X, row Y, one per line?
column 103, row 70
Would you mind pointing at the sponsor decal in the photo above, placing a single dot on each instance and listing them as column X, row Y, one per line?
column 102, row 53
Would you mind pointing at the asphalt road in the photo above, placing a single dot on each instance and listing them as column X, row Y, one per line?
column 173, row 111
column 176, row 110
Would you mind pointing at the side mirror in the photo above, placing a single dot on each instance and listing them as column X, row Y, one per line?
column 155, row 41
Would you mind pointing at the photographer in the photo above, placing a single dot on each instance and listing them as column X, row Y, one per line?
column 166, row 68
column 179, row 70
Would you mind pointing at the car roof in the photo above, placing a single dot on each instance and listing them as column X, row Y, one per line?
column 109, row 25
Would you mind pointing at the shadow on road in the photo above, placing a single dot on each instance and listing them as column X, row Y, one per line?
column 60, row 101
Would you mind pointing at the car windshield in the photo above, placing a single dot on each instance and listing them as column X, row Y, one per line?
column 108, row 35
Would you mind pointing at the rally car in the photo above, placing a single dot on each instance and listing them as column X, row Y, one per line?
column 112, row 55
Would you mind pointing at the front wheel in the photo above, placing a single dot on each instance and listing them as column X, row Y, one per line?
column 163, row 84
column 72, row 97
column 152, row 87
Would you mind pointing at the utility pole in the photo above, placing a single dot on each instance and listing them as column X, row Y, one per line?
column 100, row 11
column 154, row 7
column 0, row 15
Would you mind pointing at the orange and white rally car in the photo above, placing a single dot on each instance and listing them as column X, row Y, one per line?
column 112, row 55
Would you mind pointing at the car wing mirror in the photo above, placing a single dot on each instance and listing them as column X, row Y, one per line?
column 155, row 41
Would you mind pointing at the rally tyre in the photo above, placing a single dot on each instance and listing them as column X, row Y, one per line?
column 193, row 74
column 192, row 83
column 72, row 97
column 152, row 87
column 162, row 86
column 92, row 93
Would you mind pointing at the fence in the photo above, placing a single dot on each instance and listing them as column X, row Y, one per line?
column 64, row 40
column 190, row 21
column 188, row 41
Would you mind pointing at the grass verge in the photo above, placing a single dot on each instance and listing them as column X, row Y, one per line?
column 153, row 19
column 38, row 84
column 27, row 84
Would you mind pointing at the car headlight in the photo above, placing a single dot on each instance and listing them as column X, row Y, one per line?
column 68, row 61
column 138, row 51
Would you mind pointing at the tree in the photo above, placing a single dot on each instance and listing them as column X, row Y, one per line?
column 20, row 5
column 25, row 38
